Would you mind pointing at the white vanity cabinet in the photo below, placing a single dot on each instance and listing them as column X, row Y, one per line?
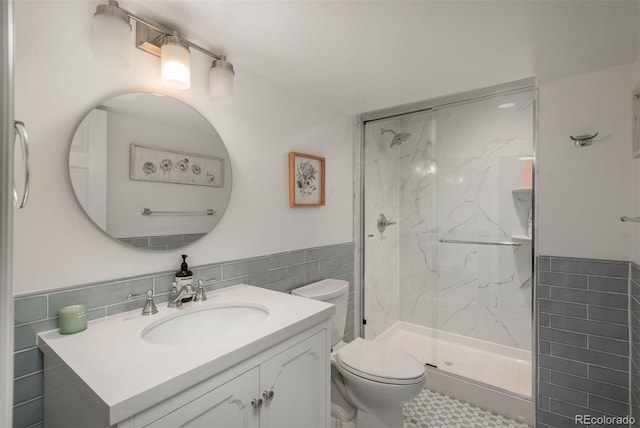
column 295, row 386
column 272, row 373
column 229, row 405
column 289, row 389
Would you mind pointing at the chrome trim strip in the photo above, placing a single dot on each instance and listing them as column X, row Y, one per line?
column 534, row 259
column 6, row 211
column 526, row 83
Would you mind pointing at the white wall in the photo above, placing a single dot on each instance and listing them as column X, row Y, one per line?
column 126, row 197
column 57, row 81
column 582, row 192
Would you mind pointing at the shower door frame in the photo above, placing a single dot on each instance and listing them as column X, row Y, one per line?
column 6, row 212
column 361, row 120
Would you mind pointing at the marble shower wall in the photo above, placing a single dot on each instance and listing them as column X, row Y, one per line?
column 453, row 178
column 381, row 249
column 418, row 274
column 484, row 291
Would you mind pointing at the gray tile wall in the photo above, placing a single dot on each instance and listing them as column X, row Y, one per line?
column 634, row 305
column 164, row 242
column 583, row 340
column 38, row 312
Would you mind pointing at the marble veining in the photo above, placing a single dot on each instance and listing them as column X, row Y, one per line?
column 381, row 255
column 453, row 178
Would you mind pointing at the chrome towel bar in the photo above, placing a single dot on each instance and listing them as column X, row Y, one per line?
column 148, row 211
column 504, row 243
column 631, row 219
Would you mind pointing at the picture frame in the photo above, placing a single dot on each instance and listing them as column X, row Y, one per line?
column 168, row 166
column 306, row 180
column 635, row 100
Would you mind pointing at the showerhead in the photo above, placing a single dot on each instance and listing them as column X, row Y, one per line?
column 398, row 138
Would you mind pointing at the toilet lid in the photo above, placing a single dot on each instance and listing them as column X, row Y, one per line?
column 380, row 363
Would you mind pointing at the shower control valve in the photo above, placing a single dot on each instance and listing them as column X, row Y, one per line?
column 383, row 223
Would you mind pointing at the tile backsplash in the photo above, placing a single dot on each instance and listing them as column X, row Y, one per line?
column 38, row 312
column 583, row 340
column 588, row 339
column 165, row 242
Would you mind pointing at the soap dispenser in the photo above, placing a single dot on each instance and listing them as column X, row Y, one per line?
column 184, row 276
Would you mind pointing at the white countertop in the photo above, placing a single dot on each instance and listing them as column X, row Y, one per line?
column 129, row 374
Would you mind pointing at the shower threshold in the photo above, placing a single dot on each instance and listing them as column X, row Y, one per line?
column 494, row 377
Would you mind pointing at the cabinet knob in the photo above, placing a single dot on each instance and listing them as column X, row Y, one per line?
column 256, row 403
column 267, row 395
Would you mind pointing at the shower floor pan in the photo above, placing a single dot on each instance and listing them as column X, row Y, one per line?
column 494, row 377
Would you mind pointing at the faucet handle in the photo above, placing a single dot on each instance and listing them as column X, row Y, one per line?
column 149, row 306
column 201, row 296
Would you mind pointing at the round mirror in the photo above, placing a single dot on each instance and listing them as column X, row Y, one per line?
column 150, row 171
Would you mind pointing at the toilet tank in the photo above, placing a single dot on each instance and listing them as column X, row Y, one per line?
column 334, row 291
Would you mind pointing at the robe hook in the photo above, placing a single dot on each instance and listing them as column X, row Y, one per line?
column 583, row 140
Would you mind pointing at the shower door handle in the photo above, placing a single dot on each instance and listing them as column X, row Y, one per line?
column 21, row 132
column 383, row 223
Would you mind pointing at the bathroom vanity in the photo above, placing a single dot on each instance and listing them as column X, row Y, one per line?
column 249, row 357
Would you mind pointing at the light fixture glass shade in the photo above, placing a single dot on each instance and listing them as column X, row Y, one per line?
column 221, row 78
column 175, row 64
column 111, row 35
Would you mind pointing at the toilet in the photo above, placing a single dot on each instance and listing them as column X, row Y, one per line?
column 369, row 381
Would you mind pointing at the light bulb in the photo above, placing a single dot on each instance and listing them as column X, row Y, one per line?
column 175, row 64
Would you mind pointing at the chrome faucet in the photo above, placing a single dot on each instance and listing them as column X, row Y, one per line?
column 176, row 296
column 201, row 296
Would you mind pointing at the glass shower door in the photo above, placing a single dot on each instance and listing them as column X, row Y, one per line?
column 484, row 256
column 399, row 248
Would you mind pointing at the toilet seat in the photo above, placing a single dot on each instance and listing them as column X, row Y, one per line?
column 379, row 363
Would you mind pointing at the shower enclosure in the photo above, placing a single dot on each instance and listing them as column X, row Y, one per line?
column 447, row 215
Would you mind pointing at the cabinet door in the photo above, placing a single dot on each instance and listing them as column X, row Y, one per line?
column 227, row 406
column 299, row 379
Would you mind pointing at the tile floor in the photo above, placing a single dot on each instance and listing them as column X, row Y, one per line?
column 433, row 410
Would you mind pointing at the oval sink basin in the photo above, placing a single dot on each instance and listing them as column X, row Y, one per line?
column 204, row 327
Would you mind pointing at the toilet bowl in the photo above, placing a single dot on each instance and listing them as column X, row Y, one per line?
column 369, row 380
column 379, row 379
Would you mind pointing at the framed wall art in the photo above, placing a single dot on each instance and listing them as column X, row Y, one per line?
column 151, row 164
column 306, row 180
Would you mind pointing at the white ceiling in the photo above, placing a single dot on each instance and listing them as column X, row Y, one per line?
column 357, row 56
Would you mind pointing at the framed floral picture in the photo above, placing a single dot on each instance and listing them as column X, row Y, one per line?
column 306, row 180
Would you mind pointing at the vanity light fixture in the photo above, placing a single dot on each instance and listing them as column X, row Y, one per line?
column 175, row 60
column 111, row 35
column 111, row 38
column 221, row 78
